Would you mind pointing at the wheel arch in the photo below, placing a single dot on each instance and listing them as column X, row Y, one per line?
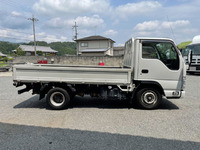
column 152, row 84
column 48, row 86
column 145, row 84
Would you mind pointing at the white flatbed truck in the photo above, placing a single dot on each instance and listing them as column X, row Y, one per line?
column 152, row 68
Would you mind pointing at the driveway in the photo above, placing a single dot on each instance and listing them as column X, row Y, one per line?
column 93, row 123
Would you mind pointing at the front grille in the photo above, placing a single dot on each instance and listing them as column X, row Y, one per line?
column 194, row 61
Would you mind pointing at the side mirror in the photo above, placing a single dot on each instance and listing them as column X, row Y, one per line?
column 189, row 57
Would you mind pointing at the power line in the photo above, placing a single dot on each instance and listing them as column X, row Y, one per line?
column 8, row 3
column 17, row 4
column 13, row 4
column 13, row 38
column 13, row 30
column 11, row 15
column 23, row 39
column 39, row 37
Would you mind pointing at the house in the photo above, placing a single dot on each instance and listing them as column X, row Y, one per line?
column 30, row 51
column 2, row 55
column 118, row 51
column 95, row 46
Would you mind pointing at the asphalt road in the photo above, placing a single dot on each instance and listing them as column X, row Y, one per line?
column 26, row 123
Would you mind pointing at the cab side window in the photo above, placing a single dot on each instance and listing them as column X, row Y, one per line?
column 149, row 52
column 164, row 51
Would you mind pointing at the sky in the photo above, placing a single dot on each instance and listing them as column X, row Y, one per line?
column 116, row 19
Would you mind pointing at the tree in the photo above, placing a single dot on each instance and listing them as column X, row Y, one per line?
column 64, row 47
column 39, row 53
column 20, row 52
column 7, row 47
column 183, row 45
column 39, row 43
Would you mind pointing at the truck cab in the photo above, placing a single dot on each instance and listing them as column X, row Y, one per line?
column 159, row 63
column 191, row 55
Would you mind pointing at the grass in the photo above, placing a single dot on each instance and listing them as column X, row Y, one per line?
column 2, row 64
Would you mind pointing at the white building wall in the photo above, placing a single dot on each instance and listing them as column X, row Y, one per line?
column 97, row 44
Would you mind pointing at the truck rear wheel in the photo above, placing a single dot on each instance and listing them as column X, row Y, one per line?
column 58, row 98
column 149, row 98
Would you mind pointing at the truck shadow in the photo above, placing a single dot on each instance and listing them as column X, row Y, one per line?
column 32, row 102
column 88, row 102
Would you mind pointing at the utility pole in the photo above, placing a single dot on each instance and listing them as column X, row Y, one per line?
column 76, row 36
column 76, row 33
column 33, row 20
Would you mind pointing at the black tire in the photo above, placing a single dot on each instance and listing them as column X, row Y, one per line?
column 149, row 98
column 72, row 95
column 58, row 98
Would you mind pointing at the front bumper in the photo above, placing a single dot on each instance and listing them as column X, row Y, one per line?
column 193, row 69
column 174, row 94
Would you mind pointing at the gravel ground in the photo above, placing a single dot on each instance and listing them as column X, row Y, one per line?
column 178, row 120
column 5, row 74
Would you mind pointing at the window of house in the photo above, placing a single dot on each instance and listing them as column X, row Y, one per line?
column 84, row 44
column 28, row 53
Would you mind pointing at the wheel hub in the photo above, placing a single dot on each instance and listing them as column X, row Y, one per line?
column 57, row 98
column 149, row 98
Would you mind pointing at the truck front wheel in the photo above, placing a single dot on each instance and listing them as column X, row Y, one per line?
column 58, row 98
column 149, row 98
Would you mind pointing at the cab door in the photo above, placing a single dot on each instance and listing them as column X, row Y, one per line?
column 159, row 62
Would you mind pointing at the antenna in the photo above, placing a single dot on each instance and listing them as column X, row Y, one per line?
column 75, row 30
column 171, row 28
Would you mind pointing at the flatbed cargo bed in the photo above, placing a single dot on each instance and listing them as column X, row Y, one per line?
column 72, row 74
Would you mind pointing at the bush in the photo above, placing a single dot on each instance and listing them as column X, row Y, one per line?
column 5, row 59
column 39, row 53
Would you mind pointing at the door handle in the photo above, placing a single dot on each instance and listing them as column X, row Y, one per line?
column 145, row 71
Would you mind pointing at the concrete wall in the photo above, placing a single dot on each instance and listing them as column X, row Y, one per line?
column 72, row 60
column 90, row 54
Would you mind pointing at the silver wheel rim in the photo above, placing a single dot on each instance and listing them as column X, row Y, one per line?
column 57, row 99
column 149, row 97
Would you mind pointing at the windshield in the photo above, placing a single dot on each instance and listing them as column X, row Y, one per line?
column 194, row 48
